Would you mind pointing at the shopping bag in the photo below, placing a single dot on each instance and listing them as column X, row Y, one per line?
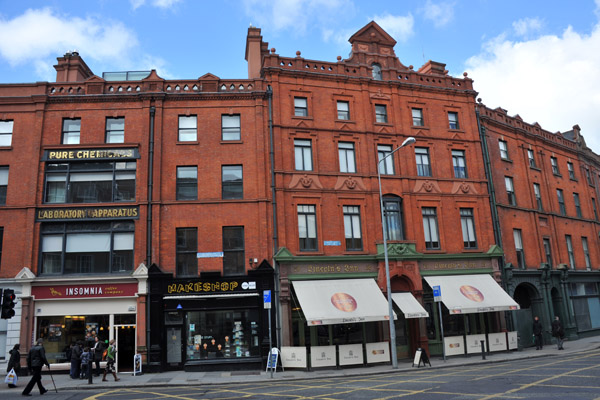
column 11, row 377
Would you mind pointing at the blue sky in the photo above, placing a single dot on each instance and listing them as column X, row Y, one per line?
column 536, row 58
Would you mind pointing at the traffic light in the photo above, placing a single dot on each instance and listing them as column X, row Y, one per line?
column 8, row 304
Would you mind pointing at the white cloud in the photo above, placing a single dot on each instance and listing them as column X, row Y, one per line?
column 39, row 36
column 135, row 4
column 398, row 26
column 296, row 16
column 551, row 80
column 441, row 14
column 527, row 26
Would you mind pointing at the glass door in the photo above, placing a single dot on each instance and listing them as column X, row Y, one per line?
column 126, row 345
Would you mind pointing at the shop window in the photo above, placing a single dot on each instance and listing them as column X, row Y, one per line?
column 430, row 228
column 422, row 159
column 586, row 304
column 3, row 336
column 538, row 196
column 417, row 117
column 232, row 182
column 467, row 223
column 115, row 130
column 188, row 128
column 87, row 248
column 561, row 202
column 222, row 334
column 90, row 182
column 300, row 107
column 381, row 113
column 459, row 163
column 187, row 249
column 352, row 230
column 187, row 183
column 571, row 170
column 518, row 239
column 453, row 120
column 6, row 131
column 231, row 128
column 303, row 154
column 343, row 110
column 307, row 228
column 510, row 190
column 392, row 207
column 386, row 167
column 3, row 184
column 346, row 155
column 71, row 131
column 233, row 251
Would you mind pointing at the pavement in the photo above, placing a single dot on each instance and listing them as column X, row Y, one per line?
column 181, row 378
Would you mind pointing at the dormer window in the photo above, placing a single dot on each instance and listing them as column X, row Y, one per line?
column 376, row 72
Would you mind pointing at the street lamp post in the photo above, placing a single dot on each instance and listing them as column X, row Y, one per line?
column 409, row 140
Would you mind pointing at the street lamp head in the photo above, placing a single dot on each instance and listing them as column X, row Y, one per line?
column 407, row 141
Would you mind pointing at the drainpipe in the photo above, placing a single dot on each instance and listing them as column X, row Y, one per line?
column 149, row 229
column 511, row 322
column 278, row 315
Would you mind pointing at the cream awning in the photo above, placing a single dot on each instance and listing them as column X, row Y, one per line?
column 409, row 306
column 342, row 301
column 465, row 294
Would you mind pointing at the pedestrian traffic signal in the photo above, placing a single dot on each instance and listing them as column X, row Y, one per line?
column 8, row 304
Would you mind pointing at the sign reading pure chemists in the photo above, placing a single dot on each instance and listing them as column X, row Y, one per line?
column 90, row 154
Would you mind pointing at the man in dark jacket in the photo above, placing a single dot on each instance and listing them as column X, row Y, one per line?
column 558, row 332
column 36, row 359
column 76, row 360
column 98, row 350
column 537, row 333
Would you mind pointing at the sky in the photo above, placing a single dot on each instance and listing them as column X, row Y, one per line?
column 539, row 59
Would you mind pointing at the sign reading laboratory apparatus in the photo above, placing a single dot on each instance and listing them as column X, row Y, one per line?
column 86, row 213
column 84, row 291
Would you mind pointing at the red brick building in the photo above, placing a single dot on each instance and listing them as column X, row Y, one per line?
column 546, row 196
column 332, row 122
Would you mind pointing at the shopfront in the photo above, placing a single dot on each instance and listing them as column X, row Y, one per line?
column 65, row 314
column 211, row 322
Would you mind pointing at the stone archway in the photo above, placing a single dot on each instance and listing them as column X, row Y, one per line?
column 531, row 304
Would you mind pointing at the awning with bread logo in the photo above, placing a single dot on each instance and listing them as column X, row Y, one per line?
column 466, row 294
column 343, row 301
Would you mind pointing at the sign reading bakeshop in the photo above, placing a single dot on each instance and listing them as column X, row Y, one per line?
column 195, row 287
column 86, row 213
column 79, row 291
column 90, row 154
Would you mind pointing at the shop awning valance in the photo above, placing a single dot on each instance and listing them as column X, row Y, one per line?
column 342, row 301
column 409, row 305
column 465, row 294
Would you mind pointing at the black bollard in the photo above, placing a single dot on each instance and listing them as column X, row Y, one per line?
column 483, row 349
column 89, row 371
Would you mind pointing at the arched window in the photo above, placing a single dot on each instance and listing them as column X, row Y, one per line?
column 376, row 72
column 392, row 211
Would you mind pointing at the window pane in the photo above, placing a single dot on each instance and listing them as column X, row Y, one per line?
column 231, row 128
column 187, row 128
column 90, row 242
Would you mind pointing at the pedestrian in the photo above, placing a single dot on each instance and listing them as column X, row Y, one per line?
column 97, row 351
column 75, row 360
column 85, row 359
column 110, row 361
column 537, row 333
column 36, row 359
column 14, row 362
column 558, row 332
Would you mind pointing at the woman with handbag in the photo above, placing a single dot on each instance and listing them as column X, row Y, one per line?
column 110, row 360
column 14, row 363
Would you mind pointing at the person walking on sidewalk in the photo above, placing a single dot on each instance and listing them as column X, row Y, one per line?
column 110, row 361
column 14, row 362
column 97, row 352
column 36, row 359
column 537, row 333
column 76, row 360
column 558, row 332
